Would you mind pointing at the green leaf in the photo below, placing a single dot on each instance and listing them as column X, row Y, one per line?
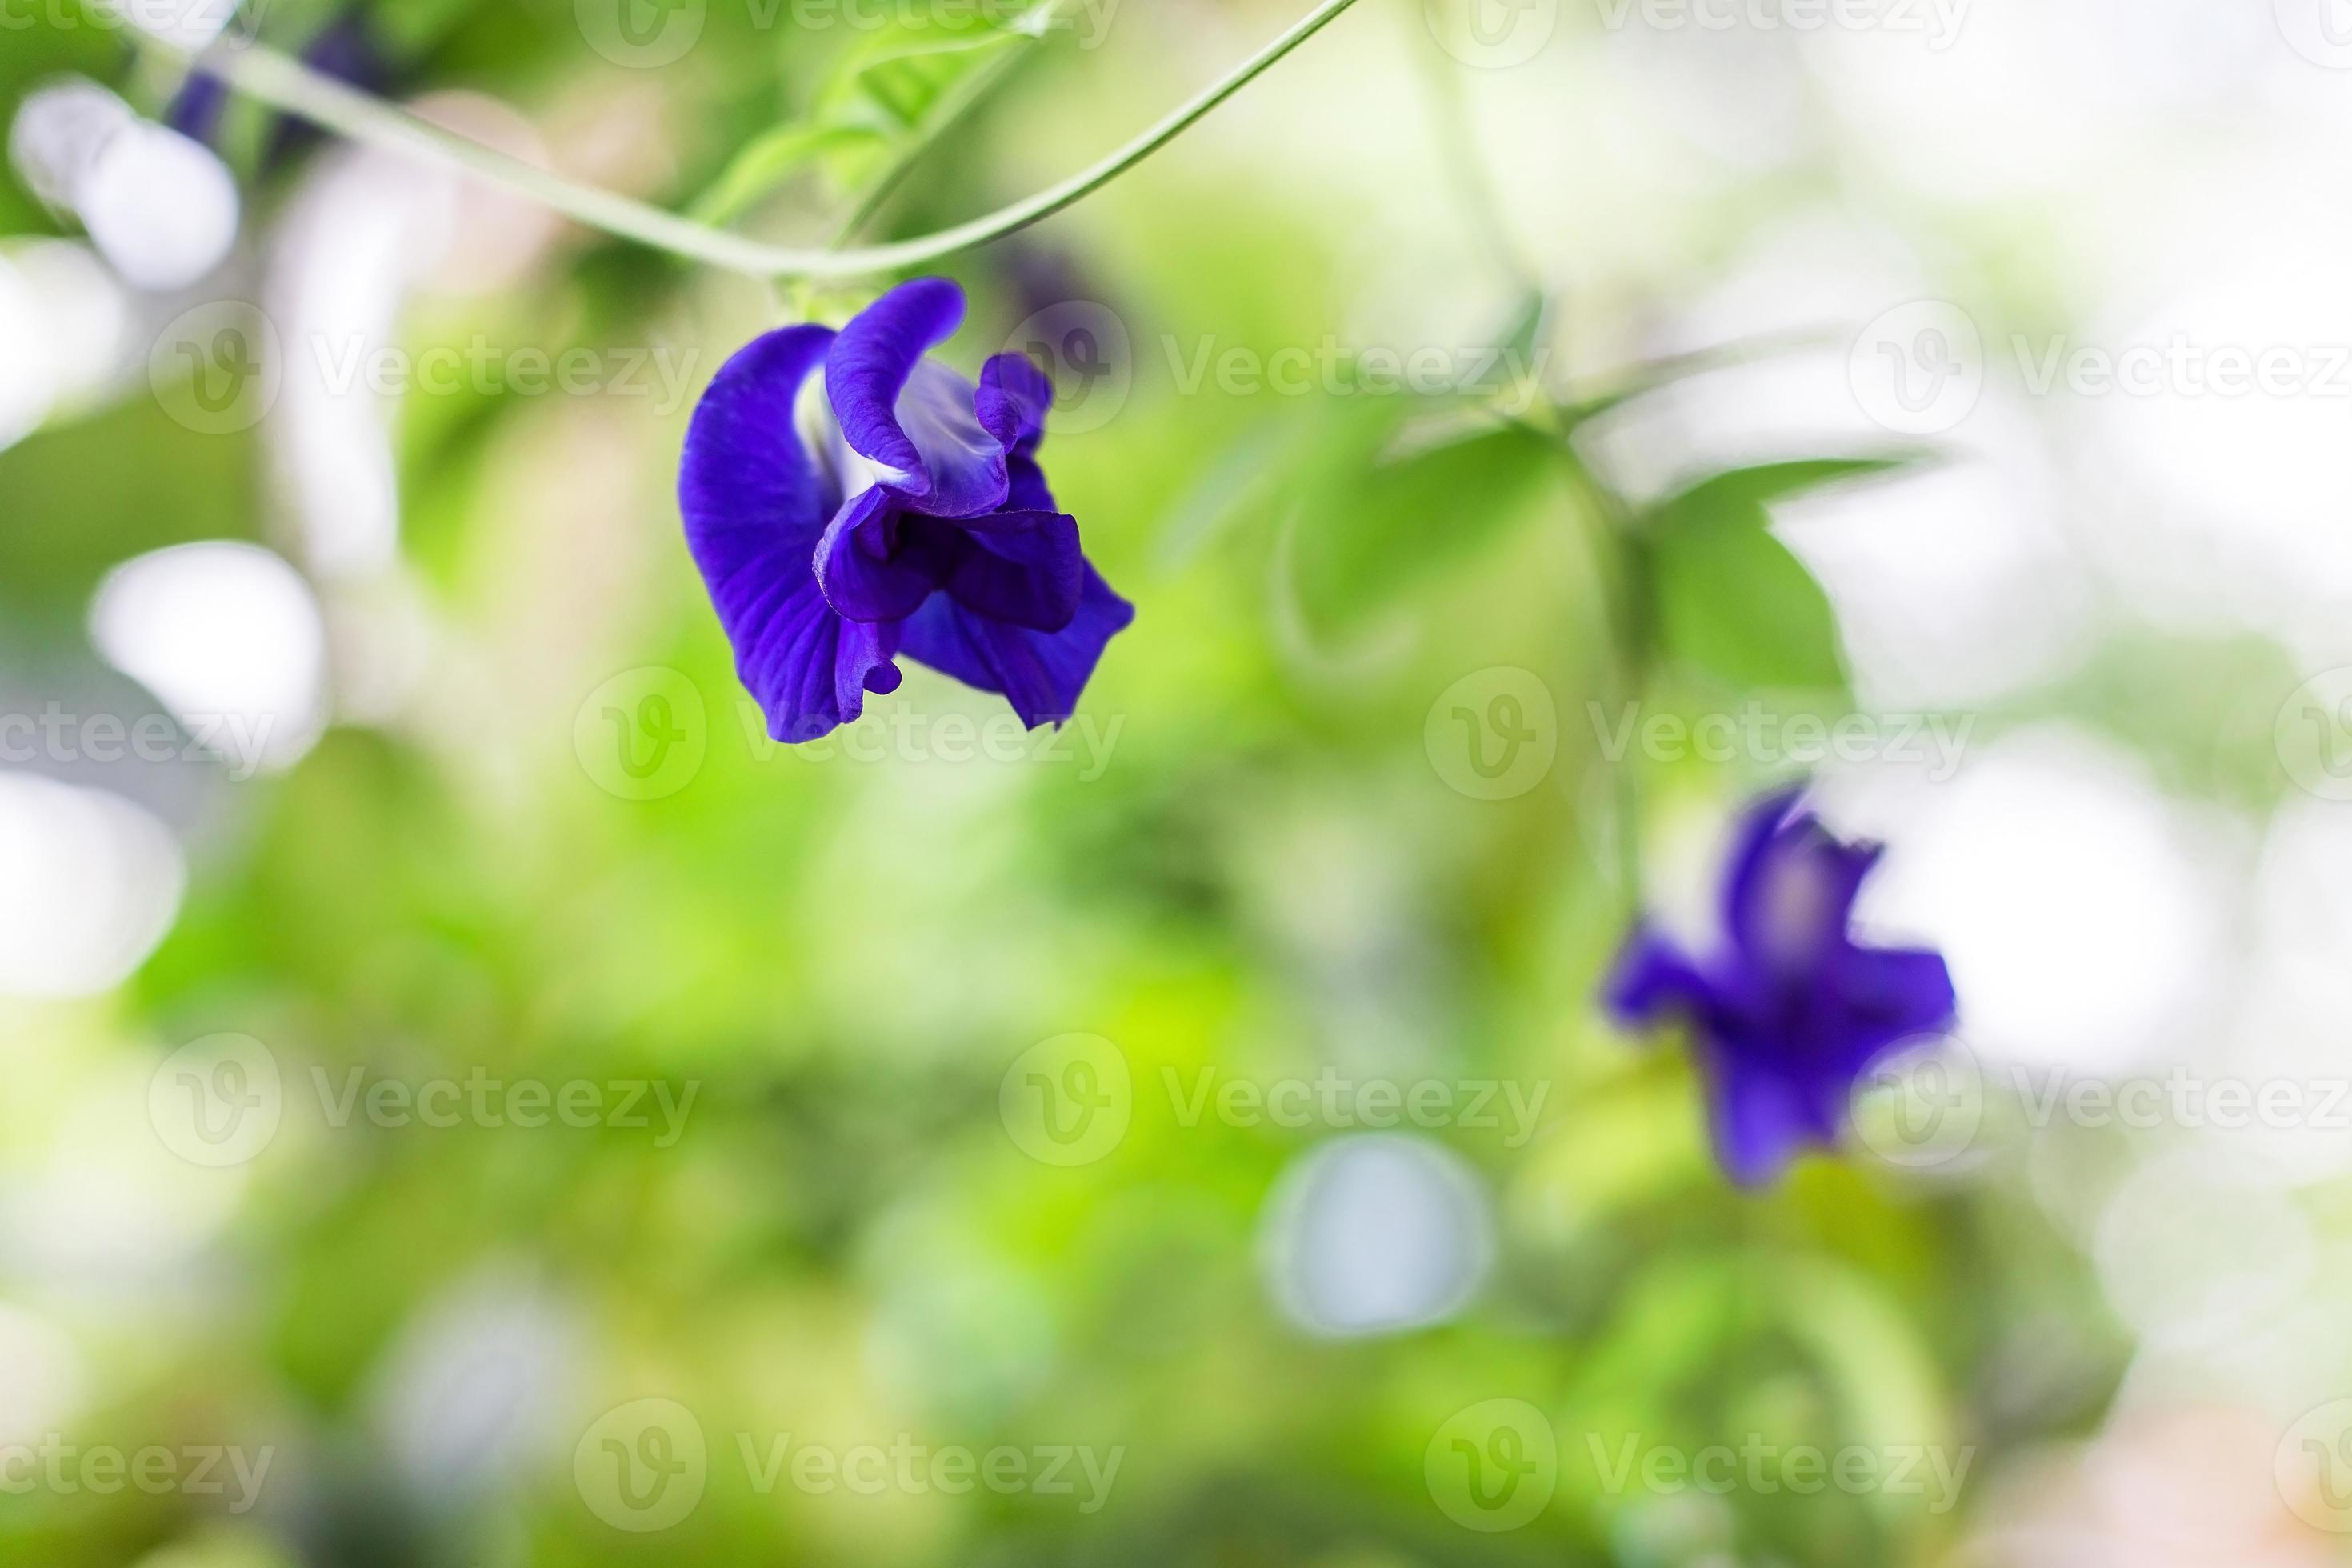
column 893, row 80
column 1731, row 599
column 1762, row 486
column 878, row 99
column 1367, row 529
column 767, row 161
column 902, row 81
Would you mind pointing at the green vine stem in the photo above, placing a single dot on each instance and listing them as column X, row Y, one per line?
column 289, row 85
column 960, row 103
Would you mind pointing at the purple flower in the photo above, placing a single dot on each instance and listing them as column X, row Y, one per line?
column 1789, row 1013
column 849, row 500
column 345, row 49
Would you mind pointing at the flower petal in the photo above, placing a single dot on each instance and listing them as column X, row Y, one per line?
column 1025, row 568
column 755, row 506
column 1651, row 982
column 1790, row 893
column 1890, row 995
column 808, row 667
column 861, row 583
column 1013, row 399
column 1040, row 673
column 1760, row 1119
column 917, row 420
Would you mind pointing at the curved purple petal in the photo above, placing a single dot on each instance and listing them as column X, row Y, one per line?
column 863, row 578
column 1790, row 894
column 1040, row 673
column 1032, row 575
column 1653, row 981
column 1760, row 1119
column 1013, row 399
column 1892, row 995
column 755, row 506
column 917, row 420
column 1026, row 488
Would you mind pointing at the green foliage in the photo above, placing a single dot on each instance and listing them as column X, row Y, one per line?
column 1370, row 528
column 1731, row 598
column 884, row 95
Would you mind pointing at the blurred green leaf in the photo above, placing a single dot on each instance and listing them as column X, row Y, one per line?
column 1767, row 482
column 880, row 99
column 1731, row 599
column 893, row 80
column 1367, row 529
column 768, row 160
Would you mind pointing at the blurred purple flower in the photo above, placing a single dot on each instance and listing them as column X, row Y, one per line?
column 345, row 49
column 849, row 499
column 1789, row 1013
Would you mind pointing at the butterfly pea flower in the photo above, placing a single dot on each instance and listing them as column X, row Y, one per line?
column 850, row 501
column 1788, row 1012
column 345, row 49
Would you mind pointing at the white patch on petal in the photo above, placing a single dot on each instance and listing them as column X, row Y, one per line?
column 936, row 413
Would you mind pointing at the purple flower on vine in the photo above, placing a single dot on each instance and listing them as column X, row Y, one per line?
column 849, row 499
column 1789, row 1012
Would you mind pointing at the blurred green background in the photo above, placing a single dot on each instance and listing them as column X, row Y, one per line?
column 876, row 1084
